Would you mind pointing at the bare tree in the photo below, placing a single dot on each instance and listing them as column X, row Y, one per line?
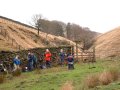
column 68, row 30
column 36, row 19
column 71, row 31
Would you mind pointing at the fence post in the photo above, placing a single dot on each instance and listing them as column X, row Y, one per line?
column 0, row 29
column 94, row 58
column 82, row 56
column 12, row 41
column 77, row 51
column 73, row 50
column 8, row 38
column 5, row 33
column 19, row 47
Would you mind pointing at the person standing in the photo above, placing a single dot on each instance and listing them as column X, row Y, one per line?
column 30, row 61
column 48, row 58
column 62, row 57
column 16, row 62
column 34, row 61
column 70, row 60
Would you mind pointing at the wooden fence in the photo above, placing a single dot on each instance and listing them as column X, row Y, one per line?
column 84, row 55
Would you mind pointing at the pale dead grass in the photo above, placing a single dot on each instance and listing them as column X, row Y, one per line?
column 28, row 42
column 91, row 81
column 105, row 78
column 2, row 78
column 67, row 86
column 109, row 76
column 105, row 43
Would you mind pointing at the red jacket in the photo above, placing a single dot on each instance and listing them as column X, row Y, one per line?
column 48, row 56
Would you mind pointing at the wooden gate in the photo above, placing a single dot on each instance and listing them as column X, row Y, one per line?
column 84, row 55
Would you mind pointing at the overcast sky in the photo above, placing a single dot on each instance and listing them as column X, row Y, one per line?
column 98, row 15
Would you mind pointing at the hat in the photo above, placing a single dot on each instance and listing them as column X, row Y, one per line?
column 47, row 50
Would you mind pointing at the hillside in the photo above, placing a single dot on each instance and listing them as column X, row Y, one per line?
column 108, row 44
column 15, row 35
column 71, row 31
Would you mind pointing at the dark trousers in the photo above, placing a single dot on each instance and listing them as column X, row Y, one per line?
column 48, row 64
column 62, row 62
column 30, row 66
column 70, row 66
column 35, row 65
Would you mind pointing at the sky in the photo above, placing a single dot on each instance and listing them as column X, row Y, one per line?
column 99, row 15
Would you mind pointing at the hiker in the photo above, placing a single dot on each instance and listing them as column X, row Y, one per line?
column 30, row 61
column 2, row 67
column 16, row 63
column 62, row 57
column 70, row 60
column 34, row 60
column 48, row 58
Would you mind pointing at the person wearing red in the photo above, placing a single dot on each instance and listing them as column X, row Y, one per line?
column 48, row 58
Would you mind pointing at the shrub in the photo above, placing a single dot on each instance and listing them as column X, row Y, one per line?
column 105, row 78
column 17, row 72
column 2, row 78
column 23, row 38
column 91, row 81
column 35, row 41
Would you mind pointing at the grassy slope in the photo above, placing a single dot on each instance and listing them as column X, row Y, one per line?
column 27, row 38
column 108, row 42
column 53, row 79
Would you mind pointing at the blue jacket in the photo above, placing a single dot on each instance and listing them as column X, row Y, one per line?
column 16, row 61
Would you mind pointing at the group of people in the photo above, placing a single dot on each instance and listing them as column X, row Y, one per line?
column 33, row 61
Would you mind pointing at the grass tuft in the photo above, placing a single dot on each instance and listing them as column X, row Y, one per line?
column 67, row 86
column 91, row 81
column 105, row 78
column 2, row 78
column 17, row 72
column 114, row 74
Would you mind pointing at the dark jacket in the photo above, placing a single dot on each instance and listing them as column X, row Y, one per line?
column 70, row 58
column 30, row 58
column 62, row 55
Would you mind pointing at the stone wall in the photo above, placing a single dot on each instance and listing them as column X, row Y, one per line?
column 7, row 56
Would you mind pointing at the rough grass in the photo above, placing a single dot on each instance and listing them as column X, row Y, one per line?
column 105, row 78
column 114, row 73
column 109, row 76
column 56, row 78
column 26, row 38
column 91, row 81
column 67, row 86
column 51, row 70
column 16, row 73
column 2, row 78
